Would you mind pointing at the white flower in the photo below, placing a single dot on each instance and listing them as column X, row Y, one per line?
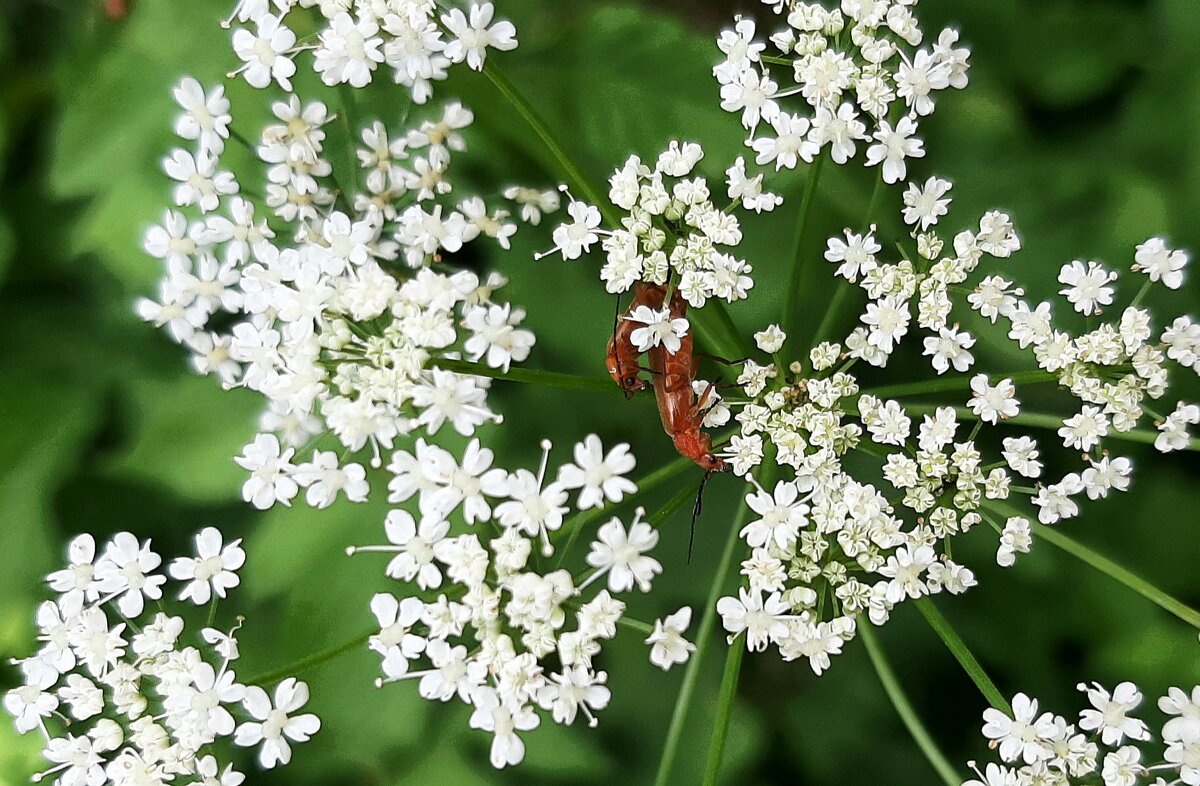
column 205, row 117
column 997, row 235
column 781, row 516
column 1173, row 433
column 893, row 146
column 659, row 329
column 266, row 53
column 531, row 508
column 856, row 254
column 950, row 348
column 1054, row 502
column 276, row 723
column 503, row 718
column 1122, row 767
column 622, row 555
column 395, row 642
column 416, row 547
column 1015, row 538
column 199, row 182
column 1087, row 287
column 1023, row 736
column 1109, row 714
column 348, row 51
column 124, row 572
column 473, row 37
column 763, row 620
column 575, row 688
column 576, row 238
column 770, row 340
column 888, row 322
column 213, row 571
column 906, row 568
column 1021, row 453
column 924, row 205
column 270, row 470
column 993, row 403
column 1161, row 263
column 1084, row 430
column 667, row 645
column 600, row 476
column 323, row 479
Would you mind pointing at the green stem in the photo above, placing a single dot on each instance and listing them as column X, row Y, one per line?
column 704, row 637
column 843, row 288
column 731, row 343
column 776, row 60
column 529, row 376
column 574, row 174
column 963, row 655
column 312, row 661
column 349, row 116
column 905, row 709
column 1106, row 566
column 652, row 481
column 955, row 383
column 1141, row 293
column 791, row 314
column 1052, row 422
column 1118, row 573
column 729, row 683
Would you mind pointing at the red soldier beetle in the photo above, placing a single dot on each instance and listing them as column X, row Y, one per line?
column 681, row 413
column 623, row 356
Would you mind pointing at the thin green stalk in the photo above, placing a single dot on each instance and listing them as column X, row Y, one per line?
column 842, row 288
column 791, row 314
column 726, row 340
column 729, row 683
column 1051, row 422
column 1118, row 573
column 526, row 110
column 349, row 117
column 963, row 655
column 652, row 481
column 312, row 661
column 955, row 384
column 905, row 709
column 529, row 376
column 704, row 638
column 1141, row 293
column 1107, row 567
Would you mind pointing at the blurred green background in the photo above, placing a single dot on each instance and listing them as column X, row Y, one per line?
column 1083, row 119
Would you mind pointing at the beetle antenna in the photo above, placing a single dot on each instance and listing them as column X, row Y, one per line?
column 696, row 513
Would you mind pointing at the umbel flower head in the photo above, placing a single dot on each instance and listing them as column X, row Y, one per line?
column 840, row 535
column 332, row 292
column 482, row 614
column 1107, row 744
column 124, row 695
column 837, row 80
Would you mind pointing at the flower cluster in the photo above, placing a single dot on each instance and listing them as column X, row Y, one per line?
column 828, row 529
column 1107, row 745
column 860, row 76
column 120, row 697
column 827, row 547
column 338, row 304
column 672, row 232
column 354, row 39
column 509, row 632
